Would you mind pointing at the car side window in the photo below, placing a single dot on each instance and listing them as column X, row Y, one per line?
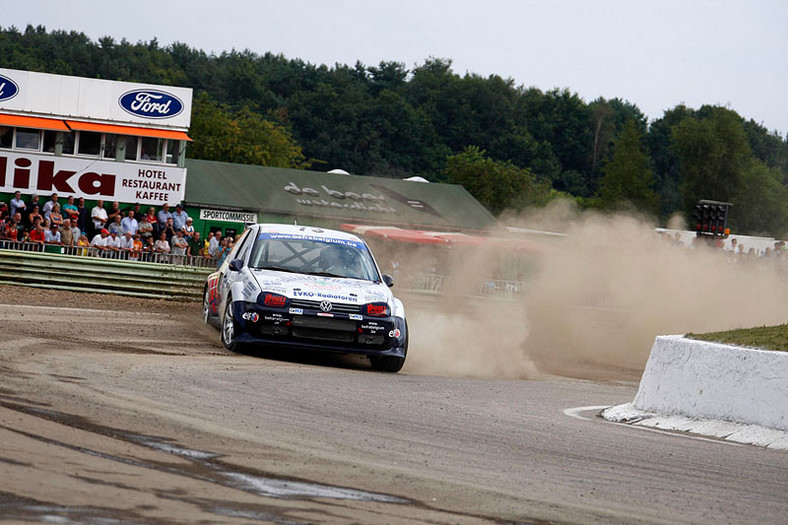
column 242, row 247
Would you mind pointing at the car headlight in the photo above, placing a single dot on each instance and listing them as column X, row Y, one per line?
column 377, row 309
column 274, row 300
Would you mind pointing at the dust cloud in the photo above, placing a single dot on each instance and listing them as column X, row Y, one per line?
column 592, row 300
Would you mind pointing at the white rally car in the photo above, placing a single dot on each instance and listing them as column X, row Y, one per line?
column 306, row 287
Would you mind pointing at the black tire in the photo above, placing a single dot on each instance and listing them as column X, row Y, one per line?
column 206, row 307
column 227, row 328
column 388, row 363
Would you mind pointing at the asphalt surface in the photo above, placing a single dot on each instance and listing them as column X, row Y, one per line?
column 138, row 416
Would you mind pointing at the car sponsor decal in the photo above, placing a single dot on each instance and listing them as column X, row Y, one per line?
column 357, row 317
column 325, row 296
column 213, row 296
column 372, row 327
column 250, row 290
column 315, row 238
column 297, row 311
column 324, row 314
column 276, row 289
column 325, row 284
column 251, row 316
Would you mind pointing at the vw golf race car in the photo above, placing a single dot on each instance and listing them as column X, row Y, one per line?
column 305, row 287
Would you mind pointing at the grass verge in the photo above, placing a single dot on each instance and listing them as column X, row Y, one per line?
column 766, row 337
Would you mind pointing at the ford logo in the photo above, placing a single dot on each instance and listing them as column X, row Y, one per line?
column 8, row 88
column 150, row 103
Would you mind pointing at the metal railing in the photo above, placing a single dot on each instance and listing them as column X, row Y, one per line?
column 116, row 254
column 31, row 264
column 172, row 276
column 432, row 282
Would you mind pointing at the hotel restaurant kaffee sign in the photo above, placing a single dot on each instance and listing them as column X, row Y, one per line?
column 91, row 178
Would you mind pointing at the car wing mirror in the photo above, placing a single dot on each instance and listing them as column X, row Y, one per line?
column 236, row 265
column 389, row 280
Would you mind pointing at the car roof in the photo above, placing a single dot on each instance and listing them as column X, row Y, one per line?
column 312, row 231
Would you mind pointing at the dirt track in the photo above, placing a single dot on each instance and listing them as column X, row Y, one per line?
column 115, row 409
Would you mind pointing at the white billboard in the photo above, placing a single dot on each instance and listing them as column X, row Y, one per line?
column 227, row 216
column 91, row 178
column 76, row 98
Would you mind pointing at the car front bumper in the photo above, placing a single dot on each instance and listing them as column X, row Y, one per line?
column 339, row 333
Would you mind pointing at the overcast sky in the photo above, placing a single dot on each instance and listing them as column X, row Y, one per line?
column 654, row 54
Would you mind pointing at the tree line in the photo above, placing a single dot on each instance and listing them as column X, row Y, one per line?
column 511, row 146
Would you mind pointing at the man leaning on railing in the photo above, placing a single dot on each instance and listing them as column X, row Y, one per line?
column 125, row 244
column 99, row 242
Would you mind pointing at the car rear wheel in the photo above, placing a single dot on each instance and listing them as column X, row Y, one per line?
column 228, row 335
column 206, row 307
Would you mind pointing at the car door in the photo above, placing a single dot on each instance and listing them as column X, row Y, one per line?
column 227, row 276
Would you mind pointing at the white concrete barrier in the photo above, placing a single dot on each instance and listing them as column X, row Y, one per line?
column 715, row 381
column 687, row 382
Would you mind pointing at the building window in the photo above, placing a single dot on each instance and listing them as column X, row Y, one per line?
column 173, row 151
column 89, row 143
column 132, row 144
column 50, row 141
column 111, row 145
column 6, row 137
column 27, row 138
column 68, row 144
column 93, row 144
column 151, row 148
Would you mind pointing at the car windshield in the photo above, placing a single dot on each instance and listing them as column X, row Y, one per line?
column 313, row 255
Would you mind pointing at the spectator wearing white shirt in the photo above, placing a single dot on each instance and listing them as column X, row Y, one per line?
column 113, row 242
column 214, row 245
column 100, row 240
column 126, row 243
column 99, row 217
column 188, row 229
column 48, row 205
column 52, row 235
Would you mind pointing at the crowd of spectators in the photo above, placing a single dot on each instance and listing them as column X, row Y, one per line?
column 735, row 250
column 113, row 232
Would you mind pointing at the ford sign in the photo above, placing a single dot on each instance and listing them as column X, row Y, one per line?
column 8, row 88
column 150, row 103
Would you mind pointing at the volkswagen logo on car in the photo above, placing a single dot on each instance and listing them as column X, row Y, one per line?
column 8, row 88
column 150, row 103
column 325, row 306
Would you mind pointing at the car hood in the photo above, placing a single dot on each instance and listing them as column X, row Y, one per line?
column 319, row 288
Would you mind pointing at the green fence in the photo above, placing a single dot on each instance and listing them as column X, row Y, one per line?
column 96, row 275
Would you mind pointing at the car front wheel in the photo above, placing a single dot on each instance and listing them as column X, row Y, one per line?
column 386, row 363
